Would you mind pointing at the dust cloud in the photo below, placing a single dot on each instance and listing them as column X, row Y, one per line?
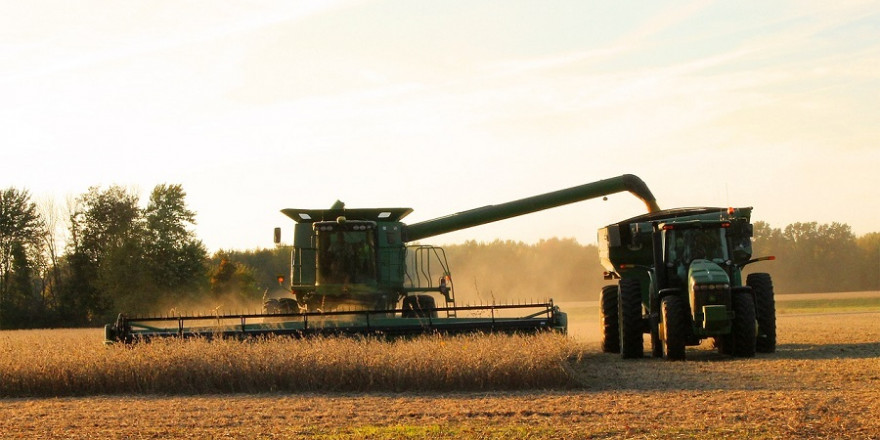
column 512, row 272
column 226, row 304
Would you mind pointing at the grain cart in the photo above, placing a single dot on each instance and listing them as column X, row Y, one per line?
column 681, row 281
column 357, row 271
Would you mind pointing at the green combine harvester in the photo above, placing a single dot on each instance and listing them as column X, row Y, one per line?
column 355, row 271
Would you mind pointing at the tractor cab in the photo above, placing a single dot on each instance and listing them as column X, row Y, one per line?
column 694, row 242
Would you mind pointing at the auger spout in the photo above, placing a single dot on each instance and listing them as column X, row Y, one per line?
column 492, row 213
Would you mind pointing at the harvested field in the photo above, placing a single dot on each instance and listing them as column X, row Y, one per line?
column 821, row 383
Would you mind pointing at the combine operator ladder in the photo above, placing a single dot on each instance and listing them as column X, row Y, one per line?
column 420, row 275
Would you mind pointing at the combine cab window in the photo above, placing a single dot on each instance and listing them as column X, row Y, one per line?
column 346, row 257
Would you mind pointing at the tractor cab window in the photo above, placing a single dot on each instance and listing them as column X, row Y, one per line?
column 686, row 245
column 346, row 253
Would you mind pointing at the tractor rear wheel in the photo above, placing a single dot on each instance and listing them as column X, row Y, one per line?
column 675, row 327
column 419, row 306
column 630, row 319
column 608, row 319
column 765, row 310
column 743, row 328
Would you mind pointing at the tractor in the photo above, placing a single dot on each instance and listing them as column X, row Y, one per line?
column 680, row 280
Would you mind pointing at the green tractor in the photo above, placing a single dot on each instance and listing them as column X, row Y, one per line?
column 680, row 277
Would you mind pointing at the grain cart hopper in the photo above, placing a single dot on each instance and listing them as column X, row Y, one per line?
column 353, row 272
column 681, row 281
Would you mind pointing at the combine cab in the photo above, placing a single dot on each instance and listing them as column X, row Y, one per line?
column 353, row 271
column 681, row 281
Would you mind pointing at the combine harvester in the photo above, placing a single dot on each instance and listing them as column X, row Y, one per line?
column 352, row 272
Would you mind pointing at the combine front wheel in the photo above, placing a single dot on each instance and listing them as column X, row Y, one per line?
column 608, row 319
column 419, row 306
column 271, row 307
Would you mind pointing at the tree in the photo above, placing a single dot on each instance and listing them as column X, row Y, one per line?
column 813, row 257
column 20, row 249
column 52, row 271
column 869, row 244
column 232, row 280
column 175, row 259
column 828, row 249
column 104, row 253
column 265, row 264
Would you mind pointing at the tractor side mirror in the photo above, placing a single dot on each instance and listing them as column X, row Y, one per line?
column 277, row 235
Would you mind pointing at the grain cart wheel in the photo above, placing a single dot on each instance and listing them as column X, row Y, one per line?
column 765, row 311
column 675, row 327
column 723, row 344
column 743, row 329
column 419, row 306
column 630, row 319
column 654, row 326
column 656, row 342
column 608, row 319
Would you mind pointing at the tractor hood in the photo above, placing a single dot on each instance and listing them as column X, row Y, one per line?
column 706, row 272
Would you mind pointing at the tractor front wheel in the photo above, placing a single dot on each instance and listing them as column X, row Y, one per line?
column 608, row 319
column 741, row 341
column 630, row 319
column 675, row 327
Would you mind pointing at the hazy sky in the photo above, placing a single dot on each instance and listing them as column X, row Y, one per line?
column 444, row 106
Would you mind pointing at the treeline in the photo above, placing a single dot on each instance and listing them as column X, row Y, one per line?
column 813, row 257
column 115, row 256
column 104, row 254
column 810, row 257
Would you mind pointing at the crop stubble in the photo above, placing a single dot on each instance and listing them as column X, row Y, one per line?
column 822, row 382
